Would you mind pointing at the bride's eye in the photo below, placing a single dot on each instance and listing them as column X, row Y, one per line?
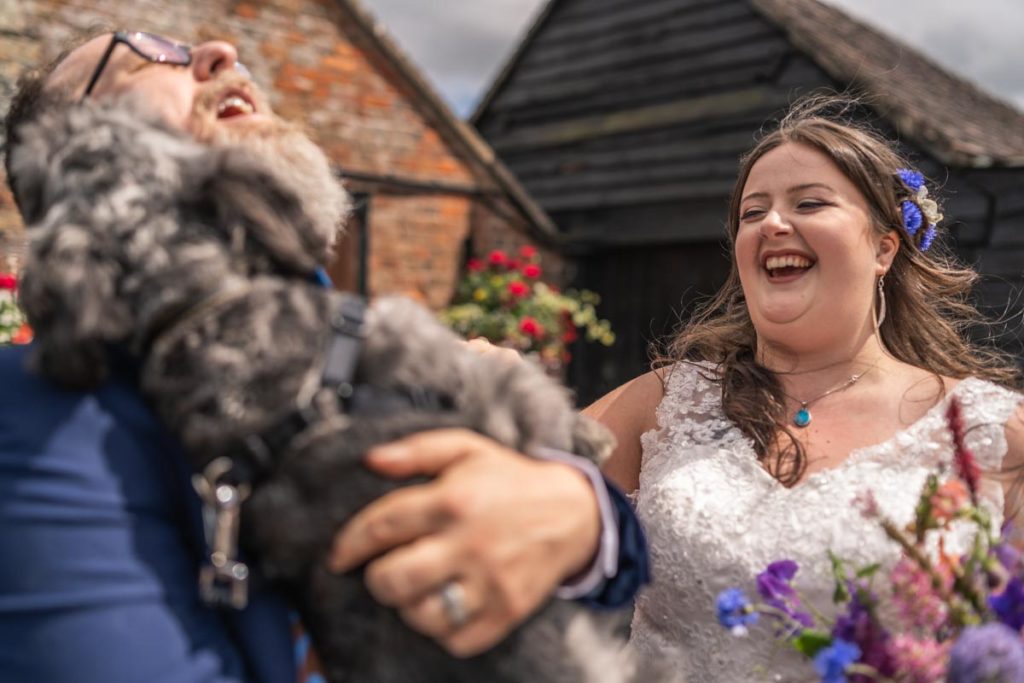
column 751, row 213
column 811, row 204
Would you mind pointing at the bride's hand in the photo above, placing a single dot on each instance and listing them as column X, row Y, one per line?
column 486, row 348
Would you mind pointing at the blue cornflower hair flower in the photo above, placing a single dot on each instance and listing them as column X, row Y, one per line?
column 927, row 238
column 832, row 661
column 734, row 610
column 912, row 218
column 991, row 652
column 911, row 178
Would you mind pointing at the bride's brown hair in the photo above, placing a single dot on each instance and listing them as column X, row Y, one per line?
column 928, row 312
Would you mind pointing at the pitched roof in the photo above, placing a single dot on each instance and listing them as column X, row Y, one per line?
column 456, row 130
column 945, row 114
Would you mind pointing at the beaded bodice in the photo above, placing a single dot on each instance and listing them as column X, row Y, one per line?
column 715, row 518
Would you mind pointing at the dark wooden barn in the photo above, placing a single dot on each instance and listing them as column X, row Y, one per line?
column 624, row 119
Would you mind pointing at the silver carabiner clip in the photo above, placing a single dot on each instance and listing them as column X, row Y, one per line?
column 224, row 580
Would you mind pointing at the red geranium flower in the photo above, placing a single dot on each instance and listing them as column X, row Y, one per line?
column 531, row 327
column 8, row 281
column 528, row 252
column 532, row 271
column 23, row 335
column 518, row 289
column 570, row 335
column 474, row 265
column 497, row 257
column 512, row 264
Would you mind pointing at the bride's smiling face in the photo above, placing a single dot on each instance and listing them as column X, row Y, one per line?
column 806, row 250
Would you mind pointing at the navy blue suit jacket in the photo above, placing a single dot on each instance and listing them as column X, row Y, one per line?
column 100, row 543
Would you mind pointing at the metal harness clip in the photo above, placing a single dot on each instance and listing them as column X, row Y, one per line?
column 224, row 581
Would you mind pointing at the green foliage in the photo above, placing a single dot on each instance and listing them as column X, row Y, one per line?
column 504, row 301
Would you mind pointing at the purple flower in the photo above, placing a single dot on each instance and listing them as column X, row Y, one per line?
column 1009, row 605
column 912, row 217
column 773, row 585
column 928, row 238
column 911, row 178
column 734, row 611
column 831, row 662
column 992, row 652
column 856, row 625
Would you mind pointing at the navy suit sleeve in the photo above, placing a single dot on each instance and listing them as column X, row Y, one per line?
column 633, row 571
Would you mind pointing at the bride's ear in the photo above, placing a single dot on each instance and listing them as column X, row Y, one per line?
column 888, row 245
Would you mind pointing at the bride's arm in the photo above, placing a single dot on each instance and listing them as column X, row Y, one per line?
column 1013, row 469
column 628, row 412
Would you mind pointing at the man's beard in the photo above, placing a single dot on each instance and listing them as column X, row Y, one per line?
column 283, row 147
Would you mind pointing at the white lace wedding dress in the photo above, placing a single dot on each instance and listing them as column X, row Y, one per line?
column 715, row 518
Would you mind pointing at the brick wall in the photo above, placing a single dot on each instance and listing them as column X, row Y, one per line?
column 320, row 68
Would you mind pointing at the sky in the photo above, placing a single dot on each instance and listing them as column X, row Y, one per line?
column 461, row 45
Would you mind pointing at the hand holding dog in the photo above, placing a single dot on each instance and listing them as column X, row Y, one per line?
column 507, row 528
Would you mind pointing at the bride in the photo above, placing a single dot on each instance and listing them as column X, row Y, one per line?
column 821, row 370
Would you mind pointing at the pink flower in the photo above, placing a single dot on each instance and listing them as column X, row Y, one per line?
column 8, row 281
column 915, row 598
column 966, row 467
column 866, row 503
column 948, row 500
column 532, row 271
column 527, row 252
column 497, row 257
column 518, row 289
column 918, row 660
column 531, row 327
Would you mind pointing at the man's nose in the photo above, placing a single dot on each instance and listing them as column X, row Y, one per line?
column 212, row 57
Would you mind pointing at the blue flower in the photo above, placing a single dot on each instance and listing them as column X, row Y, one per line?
column 912, row 218
column 831, row 662
column 992, row 652
column 1009, row 605
column 911, row 178
column 928, row 238
column 734, row 610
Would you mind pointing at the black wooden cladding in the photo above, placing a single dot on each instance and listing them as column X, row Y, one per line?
column 625, row 120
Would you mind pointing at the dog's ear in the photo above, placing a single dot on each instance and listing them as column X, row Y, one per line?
column 252, row 206
column 70, row 298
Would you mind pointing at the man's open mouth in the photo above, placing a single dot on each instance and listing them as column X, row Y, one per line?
column 786, row 266
column 235, row 104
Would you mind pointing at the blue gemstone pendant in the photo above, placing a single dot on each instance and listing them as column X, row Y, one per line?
column 802, row 417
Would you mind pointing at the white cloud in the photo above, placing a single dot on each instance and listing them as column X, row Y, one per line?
column 461, row 44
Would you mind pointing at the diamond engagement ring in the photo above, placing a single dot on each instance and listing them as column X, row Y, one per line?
column 453, row 599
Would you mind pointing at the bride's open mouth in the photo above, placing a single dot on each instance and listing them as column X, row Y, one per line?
column 786, row 267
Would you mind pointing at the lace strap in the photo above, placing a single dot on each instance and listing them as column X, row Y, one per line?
column 987, row 407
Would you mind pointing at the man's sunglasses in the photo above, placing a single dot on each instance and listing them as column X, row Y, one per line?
column 150, row 47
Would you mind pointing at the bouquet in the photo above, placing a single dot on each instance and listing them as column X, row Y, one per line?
column 933, row 617
column 13, row 328
column 503, row 300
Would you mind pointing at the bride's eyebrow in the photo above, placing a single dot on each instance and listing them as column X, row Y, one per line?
column 810, row 186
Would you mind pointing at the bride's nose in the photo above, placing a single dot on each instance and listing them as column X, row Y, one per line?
column 775, row 224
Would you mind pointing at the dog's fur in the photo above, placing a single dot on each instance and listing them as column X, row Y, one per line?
column 194, row 260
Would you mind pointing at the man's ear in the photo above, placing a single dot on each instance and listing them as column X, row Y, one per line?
column 885, row 253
